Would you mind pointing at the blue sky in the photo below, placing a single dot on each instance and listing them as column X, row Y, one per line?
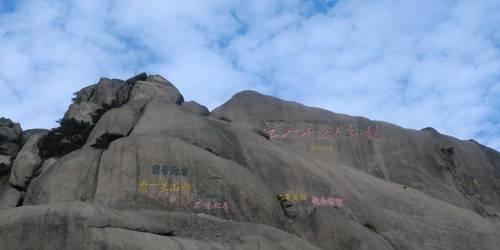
column 414, row 63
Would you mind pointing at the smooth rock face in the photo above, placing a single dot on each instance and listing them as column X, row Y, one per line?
column 176, row 178
column 408, row 157
column 26, row 163
column 117, row 121
column 47, row 164
column 156, row 90
column 72, row 177
column 80, row 225
column 195, row 108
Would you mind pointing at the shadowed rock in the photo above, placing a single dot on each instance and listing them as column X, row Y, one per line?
column 140, row 77
column 26, row 163
column 12, row 197
column 29, row 132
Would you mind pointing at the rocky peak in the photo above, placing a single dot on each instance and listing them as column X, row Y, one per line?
column 96, row 99
column 136, row 167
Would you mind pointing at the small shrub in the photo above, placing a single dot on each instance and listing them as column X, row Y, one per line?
column 222, row 118
column 100, row 112
column 4, row 169
column 104, row 140
column 371, row 227
column 104, row 108
column 69, row 136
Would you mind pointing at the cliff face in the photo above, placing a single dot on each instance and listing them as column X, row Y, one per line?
column 155, row 172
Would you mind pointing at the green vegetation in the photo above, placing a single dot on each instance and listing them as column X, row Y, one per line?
column 4, row 179
column 100, row 112
column 371, row 227
column 4, row 170
column 69, row 136
column 104, row 140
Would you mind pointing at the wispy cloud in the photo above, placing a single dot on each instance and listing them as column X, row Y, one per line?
column 414, row 63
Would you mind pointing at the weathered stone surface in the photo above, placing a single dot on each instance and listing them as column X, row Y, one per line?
column 10, row 141
column 159, row 78
column 398, row 188
column 10, row 198
column 117, row 121
column 106, row 93
column 409, row 157
column 72, row 177
column 156, row 90
column 9, row 131
column 26, row 163
column 86, row 226
column 9, row 148
column 120, row 186
column 160, row 117
column 82, row 111
column 195, row 108
column 112, row 92
column 46, row 165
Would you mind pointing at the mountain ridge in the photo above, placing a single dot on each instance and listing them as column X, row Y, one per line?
column 314, row 177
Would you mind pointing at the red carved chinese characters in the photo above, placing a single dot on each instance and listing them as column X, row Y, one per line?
column 306, row 133
column 271, row 132
column 288, row 132
column 327, row 201
column 325, row 133
column 338, row 131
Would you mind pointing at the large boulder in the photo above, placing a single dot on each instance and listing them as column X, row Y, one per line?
column 72, row 177
column 195, row 108
column 464, row 176
column 84, row 111
column 10, row 143
column 118, row 121
column 11, row 136
column 9, row 148
column 107, row 93
column 9, row 131
column 156, row 88
column 160, row 117
column 26, row 163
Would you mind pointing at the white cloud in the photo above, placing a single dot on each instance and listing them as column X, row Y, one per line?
column 416, row 63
